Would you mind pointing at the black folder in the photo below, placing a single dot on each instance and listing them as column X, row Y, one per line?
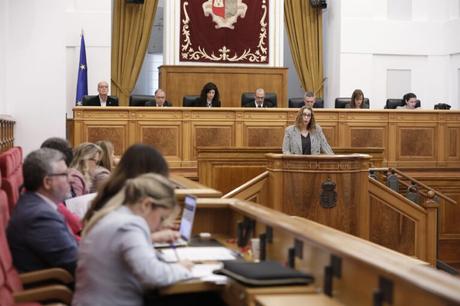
column 265, row 273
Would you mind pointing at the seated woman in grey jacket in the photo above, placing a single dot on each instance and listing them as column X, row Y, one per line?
column 116, row 259
column 305, row 136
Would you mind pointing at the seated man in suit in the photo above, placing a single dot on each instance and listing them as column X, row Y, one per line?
column 259, row 100
column 37, row 234
column 160, row 99
column 103, row 98
column 309, row 98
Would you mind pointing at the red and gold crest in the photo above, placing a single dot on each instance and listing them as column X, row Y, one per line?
column 221, row 31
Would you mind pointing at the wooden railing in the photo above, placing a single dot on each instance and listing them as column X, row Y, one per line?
column 362, row 269
column 6, row 132
column 394, row 221
column 402, row 225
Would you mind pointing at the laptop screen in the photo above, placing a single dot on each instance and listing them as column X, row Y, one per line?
column 188, row 215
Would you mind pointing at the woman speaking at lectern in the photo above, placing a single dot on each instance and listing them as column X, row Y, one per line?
column 305, row 136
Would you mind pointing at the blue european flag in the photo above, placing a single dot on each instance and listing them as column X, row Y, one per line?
column 82, row 81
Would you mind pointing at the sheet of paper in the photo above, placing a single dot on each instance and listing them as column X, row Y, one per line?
column 197, row 254
column 205, row 273
column 80, row 205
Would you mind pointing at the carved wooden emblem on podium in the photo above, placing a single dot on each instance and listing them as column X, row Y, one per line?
column 328, row 197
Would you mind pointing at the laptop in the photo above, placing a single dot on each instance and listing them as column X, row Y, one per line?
column 186, row 224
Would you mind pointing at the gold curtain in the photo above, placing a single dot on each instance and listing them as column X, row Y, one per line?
column 132, row 24
column 304, row 28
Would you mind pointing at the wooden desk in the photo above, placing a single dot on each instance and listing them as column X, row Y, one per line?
column 295, row 300
column 363, row 265
column 186, row 186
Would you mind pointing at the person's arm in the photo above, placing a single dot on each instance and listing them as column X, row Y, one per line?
column 136, row 250
column 49, row 237
column 324, row 145
column 286, row 142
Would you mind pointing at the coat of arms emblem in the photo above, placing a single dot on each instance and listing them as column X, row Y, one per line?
column 225, row 12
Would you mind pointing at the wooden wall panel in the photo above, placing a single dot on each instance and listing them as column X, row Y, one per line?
column 367, row 137
column 453, row 143
column 182, row 80
column 391, row 229
column 416, row 143
column 167, row 138
column 115, row 133
column 213, row 136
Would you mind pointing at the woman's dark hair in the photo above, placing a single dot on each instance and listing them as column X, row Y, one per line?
column 137, row 160
column 408, row 96
column 357, row 93
column 207, row 88
column 60, row 145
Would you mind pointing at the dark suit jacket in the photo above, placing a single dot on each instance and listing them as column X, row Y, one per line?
column 39, row 237
column 267, row 103
column 96, row 102
column 202, row 103
column 153, row 103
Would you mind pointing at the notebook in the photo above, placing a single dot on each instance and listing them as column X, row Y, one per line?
column 186, row 223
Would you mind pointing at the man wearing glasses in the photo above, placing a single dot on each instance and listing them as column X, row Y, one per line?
column 260, row 101
column 37, row 234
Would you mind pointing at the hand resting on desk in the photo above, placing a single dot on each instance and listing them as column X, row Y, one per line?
column 165, row 236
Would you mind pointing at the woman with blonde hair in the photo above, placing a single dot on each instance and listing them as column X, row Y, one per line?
column 85, row 160
column 101, row 173
column 305, row 136
column 116, row 260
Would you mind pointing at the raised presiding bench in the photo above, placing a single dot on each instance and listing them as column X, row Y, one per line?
column 413, row 139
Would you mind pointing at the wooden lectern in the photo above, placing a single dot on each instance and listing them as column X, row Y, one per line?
column 328, row 189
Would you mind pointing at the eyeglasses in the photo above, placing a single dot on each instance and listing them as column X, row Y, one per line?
column 58, row 174
column 306, row 115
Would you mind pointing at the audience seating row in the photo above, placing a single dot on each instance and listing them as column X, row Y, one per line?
column 11, row 174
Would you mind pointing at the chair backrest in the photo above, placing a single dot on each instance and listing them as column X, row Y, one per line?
column 85, row 99
column 343, row 102
column 247, row 97
column 442, row 106
column 11, row 172
column 11, row 281
column 139, row 100
column 4, row 208
column 298, row 103
column 189, row 101
column 394, row 103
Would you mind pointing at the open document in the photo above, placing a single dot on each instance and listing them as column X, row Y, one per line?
column 80, row 205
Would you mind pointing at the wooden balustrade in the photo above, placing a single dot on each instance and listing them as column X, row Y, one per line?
column 369, row 210
column 226, row 168
column 7, row 124
column 363, row 267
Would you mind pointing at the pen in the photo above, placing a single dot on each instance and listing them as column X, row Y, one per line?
column 173, row 246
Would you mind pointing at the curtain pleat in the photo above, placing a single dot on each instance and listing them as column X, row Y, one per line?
column 132, row 24
column 304, row 28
